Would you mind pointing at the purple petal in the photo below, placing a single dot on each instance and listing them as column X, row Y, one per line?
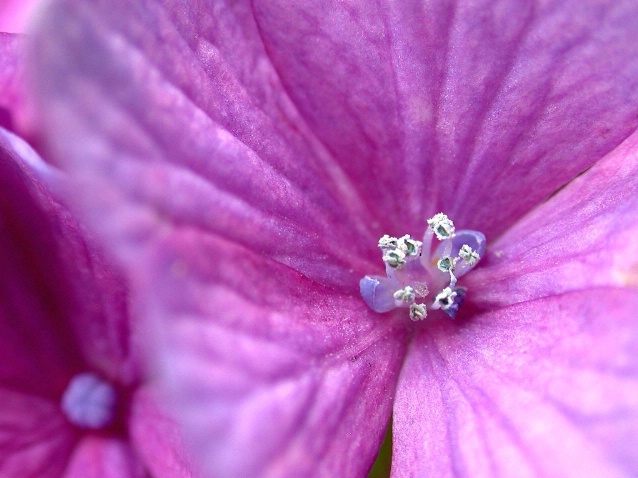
column 543, row 388
column 176, row 131
column 378, row 292
column 15, row 14
column 104, row 457
column 156, row 439
column 271, row 374
column 35, row 439
column 76, row 302
column 583, row 237
column 10, row 81
column 38, row 349
column 460, row 106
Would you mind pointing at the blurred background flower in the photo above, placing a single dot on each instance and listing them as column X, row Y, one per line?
column 75, row 398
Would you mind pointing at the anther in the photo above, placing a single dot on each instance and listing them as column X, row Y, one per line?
column 407, row 295
column 388, row 242
column 409, row 246
column 442, row 226
column 469, row 256
column 418, row 312
column 445, row 299
column 394, row 258
column 446, row 264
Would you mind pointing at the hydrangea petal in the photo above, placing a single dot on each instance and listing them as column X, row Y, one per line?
column 174, row 134
column 584, row 236
column 459, row 105
column 257, row 344
column 35, row 439
column 547, row 387
column 15, row 14
column 104, row 457
column 155, row 437
column 10, row 86
column 82, row 308
column 33, row 308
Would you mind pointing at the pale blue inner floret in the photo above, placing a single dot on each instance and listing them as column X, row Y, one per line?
column 89, row 402
column 414, row 268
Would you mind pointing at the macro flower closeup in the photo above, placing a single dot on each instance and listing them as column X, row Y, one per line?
column 241, row 161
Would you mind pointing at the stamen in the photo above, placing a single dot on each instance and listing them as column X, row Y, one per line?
column 388, row 242
column 442, row 226
column 446, row 264
column 409, row 246
column 394, row 258
column 414, row 267
column 468, row 255
column 445, row 299
column 418, row 312
column 450, row 300
column 89, row 401
column 407, row 295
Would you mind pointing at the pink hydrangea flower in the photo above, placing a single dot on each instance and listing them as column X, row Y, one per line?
column 242, row 160
column 75, row 400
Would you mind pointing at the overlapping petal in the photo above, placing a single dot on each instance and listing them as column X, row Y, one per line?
column 155, row 437
column 272, row 374
column 583, row 237
column 459, row 105
column 82, row 303
column 34, row 308
column 63, row 311
column 547, row 387
column 173, row 135
column 104, row 457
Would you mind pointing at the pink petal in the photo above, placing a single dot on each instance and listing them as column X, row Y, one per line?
column 583, row 237
column 156, row 438
column 104, row 457
column 75, row 302
column 35, row 439
column 547, row 387
column 459, row 105
column 38, row 351
column 10, row 80
column 15, row 14
column 176, row 132
column 272, row 375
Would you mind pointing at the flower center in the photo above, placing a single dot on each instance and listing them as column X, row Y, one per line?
column 89, row 401
column 413, row 268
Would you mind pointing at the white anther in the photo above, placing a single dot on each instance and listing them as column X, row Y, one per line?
column 445, row 299
column 442, row 226
column 470, row 256
column 388, row 242
column 407, row 295
column 409, row 246
column 394, row 258
column 418, row 312
column 446, row 264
